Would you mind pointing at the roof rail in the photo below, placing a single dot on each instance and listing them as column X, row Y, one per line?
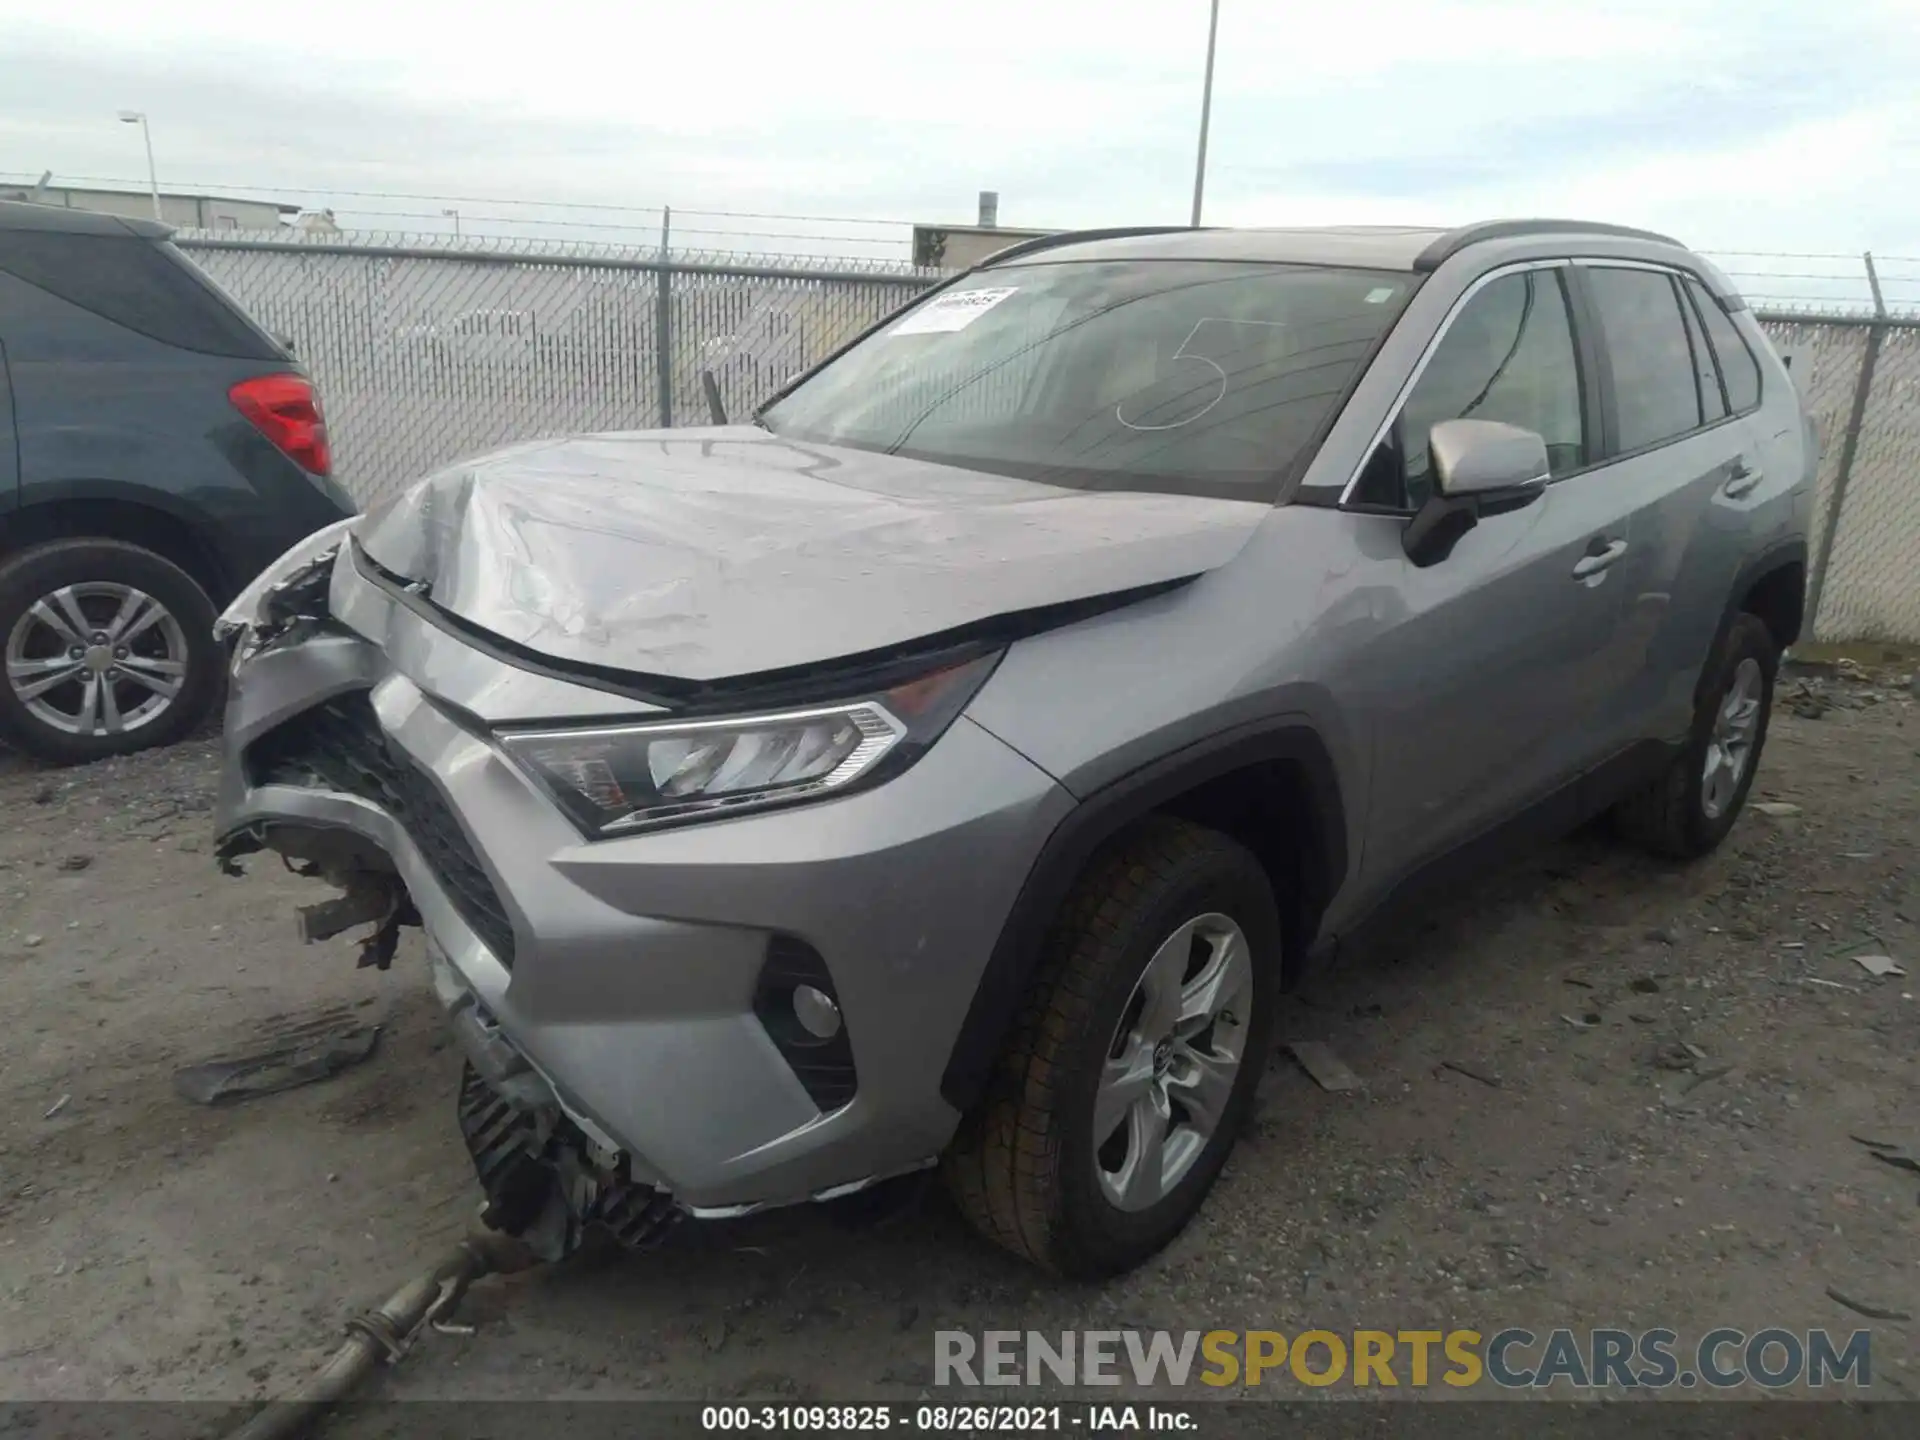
column 1454, row 241
column 1075, row 237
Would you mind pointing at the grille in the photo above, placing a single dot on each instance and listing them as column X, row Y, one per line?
column 340, row 746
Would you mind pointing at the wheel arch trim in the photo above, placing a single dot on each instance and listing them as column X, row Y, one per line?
column 1099, row 817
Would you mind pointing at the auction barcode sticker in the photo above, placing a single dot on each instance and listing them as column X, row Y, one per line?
column 952, row 312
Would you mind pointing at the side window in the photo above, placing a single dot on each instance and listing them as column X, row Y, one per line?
column 1653, row 376
column 1713, row 399
column 146, row 287
column 1737, row 366
column 1508, row 355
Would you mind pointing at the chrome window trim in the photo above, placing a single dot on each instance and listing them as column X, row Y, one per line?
column 1518, row 267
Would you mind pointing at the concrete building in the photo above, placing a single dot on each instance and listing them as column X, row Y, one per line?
column 955, row 247
column 197, row 212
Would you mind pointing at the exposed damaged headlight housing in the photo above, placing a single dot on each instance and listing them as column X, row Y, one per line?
column 251, row 607
column 614, row 780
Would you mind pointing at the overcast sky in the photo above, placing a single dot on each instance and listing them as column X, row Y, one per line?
column 1782, row 125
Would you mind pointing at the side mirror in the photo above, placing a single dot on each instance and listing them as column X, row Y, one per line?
column 1480, row 467
column 1475, row 457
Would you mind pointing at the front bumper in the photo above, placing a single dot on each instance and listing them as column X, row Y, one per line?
column 627, row 970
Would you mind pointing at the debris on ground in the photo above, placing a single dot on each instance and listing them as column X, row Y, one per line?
column 1673, row 1057
column 1899, row 1159
column 1328, row 1070
column 1703, row 1077
column 1880, row 966
column 1860, row 1307
column 1471, row 1072
column 57, row 1106
column 75, row 862
column 1778, row 809
column 1584, row 1022
column 295, row 1055
column 1644, row 985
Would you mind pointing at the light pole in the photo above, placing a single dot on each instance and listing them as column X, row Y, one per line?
column 1206, row 113
column 453, row 215
column 139, row 117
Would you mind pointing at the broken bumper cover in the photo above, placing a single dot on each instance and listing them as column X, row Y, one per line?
column 639, row 979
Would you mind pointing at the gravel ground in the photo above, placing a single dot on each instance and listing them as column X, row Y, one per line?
column 1658, row 1074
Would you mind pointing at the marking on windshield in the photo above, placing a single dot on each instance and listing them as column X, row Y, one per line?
column 952, row 312
column 1380, row 296
column 1187, row 351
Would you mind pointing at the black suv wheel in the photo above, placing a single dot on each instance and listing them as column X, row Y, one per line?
column 109, row 648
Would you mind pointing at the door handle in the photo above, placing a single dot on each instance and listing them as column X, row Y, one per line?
column 1596, row 560
column 1742, row 480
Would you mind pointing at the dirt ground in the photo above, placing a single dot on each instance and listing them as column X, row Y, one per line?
column 150, row 1247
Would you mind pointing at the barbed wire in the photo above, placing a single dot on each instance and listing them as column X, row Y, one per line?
column 212, row 191
column 552, row 204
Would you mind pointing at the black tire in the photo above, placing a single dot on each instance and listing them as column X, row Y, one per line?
column 1670, row 816
column 43, row 569
column 1023, row 1169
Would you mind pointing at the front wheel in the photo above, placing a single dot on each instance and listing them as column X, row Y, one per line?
column 1688, row 810
column 1132, row 1065
column 109, row 649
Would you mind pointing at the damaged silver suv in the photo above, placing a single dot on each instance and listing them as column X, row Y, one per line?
column 950, row 766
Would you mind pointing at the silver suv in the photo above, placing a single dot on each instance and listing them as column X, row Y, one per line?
column 952, row 765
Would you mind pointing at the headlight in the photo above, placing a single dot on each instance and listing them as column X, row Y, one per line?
column 613, row 780
column 316, row 552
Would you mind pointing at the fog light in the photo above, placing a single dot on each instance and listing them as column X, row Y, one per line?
column 816, row 1012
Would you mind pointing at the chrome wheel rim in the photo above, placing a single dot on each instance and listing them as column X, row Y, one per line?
column 1730, row 747
column 1172, row 1063
column 97, row 659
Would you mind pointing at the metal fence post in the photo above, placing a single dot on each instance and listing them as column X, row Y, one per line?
column 1849, row 446
column 663, row 325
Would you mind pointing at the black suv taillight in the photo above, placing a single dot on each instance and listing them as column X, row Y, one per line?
column 285, row 409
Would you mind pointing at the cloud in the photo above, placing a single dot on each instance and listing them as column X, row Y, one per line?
column 1716, row 118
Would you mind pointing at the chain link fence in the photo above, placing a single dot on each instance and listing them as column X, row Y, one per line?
column 430, row 349
column 426, row 353
column 1861, row 382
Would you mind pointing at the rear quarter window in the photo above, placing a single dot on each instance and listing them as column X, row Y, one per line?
column 145, row 287
column 1737, row 365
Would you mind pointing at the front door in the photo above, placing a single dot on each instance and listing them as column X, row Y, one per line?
column 1486, row 692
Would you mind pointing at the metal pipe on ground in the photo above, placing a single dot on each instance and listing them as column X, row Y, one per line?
column 385, row 1333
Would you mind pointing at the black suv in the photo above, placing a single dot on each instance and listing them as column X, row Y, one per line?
column 157, row 450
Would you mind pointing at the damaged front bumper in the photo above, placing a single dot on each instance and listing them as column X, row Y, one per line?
column 626, row 1005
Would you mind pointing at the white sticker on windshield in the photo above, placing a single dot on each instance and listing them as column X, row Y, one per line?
column 951, row 312
column 1380, row 296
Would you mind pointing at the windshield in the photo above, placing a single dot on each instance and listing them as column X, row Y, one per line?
column 1186, row 377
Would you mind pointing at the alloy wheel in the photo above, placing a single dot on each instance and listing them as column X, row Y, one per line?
column 98, row 658
column 1172, row 1063
column 1730, row 746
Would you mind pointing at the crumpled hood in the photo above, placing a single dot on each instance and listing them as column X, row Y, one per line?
column 715, row 553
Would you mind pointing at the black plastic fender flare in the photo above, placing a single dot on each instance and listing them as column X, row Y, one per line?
column 1098, row 818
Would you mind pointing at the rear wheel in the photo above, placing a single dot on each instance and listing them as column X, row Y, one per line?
column 1688, row 811
column 109, row 648
column 1134, row 1060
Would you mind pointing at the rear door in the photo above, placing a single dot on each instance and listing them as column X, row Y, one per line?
column 1687, row 463
column 9, row 438
column 1485, row 688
